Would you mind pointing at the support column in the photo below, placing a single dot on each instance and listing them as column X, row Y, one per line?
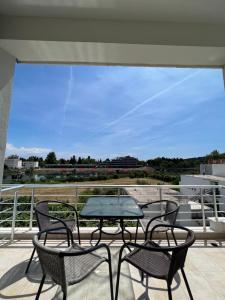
column 224, row 76
column 7, row 63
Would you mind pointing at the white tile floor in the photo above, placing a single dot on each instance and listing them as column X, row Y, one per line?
column 205, row 270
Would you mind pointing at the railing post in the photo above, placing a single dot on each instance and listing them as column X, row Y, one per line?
column 76, row 194
column 215, row 204
column 76, row 199
column 118, row 192
column 160, row 198
column 14, row 216
column 31, row 209
column 203, row 210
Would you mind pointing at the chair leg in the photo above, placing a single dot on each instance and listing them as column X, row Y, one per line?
column 187, row 285
column 40, row 287
column 167, row 237
column 31, row 258
column 78, row 234
column 118, row 280
column 64, row 295
column 174, row 238
column 169, row 291
column 111, row 279
column 45, row 238
column 136, row 231
column 142, row 276
column 68, row 238
column 32, row 255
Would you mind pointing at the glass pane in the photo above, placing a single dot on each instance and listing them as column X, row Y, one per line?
column 124, row 206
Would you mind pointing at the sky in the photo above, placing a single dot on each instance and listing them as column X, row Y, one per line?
column 111, row 111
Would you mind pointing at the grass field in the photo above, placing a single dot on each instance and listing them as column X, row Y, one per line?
column 71, row 194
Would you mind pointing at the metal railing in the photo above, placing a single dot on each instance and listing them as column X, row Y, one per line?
column 197, row 202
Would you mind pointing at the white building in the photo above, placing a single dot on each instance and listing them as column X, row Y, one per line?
column 13, row 163
column 211, row 174
column 212, row 169
column 30, row 164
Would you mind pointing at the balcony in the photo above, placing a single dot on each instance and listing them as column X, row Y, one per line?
column 205, row 267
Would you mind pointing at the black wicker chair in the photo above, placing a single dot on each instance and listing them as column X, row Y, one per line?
column 156, row 261
column 161, row 212
column 69, row 266
column 47, row 220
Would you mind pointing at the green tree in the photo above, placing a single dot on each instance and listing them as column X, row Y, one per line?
column 51, row 158
column 214, row 154
column 13, row 156
column 73, row 160
column 62, row 161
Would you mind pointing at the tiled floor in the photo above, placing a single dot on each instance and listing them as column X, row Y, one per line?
column 205, row 270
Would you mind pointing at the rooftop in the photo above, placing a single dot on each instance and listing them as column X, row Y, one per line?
column 208, row 177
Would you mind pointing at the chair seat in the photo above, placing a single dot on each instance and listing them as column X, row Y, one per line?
column 144, row 222
column 153, row 263
column 69, row 223
column 78, row 267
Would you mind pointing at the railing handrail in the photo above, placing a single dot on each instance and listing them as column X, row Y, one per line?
column 61, row 185
column 11, row 188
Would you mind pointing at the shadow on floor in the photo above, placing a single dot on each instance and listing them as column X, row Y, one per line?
column 17, row 273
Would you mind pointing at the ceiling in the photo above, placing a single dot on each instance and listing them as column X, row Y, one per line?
column 180, row 33
column 190, row 11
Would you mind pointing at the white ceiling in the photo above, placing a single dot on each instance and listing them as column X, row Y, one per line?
column 190, row 11
column 132, row 32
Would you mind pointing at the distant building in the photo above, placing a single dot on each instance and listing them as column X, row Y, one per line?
column 13, row 163
column 123, row 162
column 30, row 164
column 216, row 169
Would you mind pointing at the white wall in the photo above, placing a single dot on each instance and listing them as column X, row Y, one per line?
column 7, row 63
column 218, row 170
column 13, row 163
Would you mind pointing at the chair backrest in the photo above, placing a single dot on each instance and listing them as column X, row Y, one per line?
column 51, row 262
column 172, row 208
column 179, row 253
column 42, row 215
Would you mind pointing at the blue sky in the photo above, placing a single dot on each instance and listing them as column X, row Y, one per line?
column 115, row 111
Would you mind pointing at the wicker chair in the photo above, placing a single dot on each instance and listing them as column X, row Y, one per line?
column 70, row 266
column 46, row 220
column 153, row 216
column 156, row 261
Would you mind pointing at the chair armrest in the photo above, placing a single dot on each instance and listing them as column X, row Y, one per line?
column 86, row 251
column 69, row 232
column 149, row 203
column 143, row 247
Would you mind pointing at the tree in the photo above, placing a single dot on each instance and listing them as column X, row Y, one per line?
column 73, row 160
column 62, row 161
column 214, row 154
column 51, row 158
column 13, row 156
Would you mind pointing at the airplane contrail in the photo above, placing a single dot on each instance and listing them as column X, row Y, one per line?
column 68, row 98
column 150, row 99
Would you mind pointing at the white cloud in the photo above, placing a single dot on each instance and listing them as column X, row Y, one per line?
column 26, row 151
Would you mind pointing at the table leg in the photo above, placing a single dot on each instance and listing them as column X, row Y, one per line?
column 122, row 230
column 100, row 233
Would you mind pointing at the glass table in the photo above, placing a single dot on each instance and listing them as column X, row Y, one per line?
column 111, row 208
